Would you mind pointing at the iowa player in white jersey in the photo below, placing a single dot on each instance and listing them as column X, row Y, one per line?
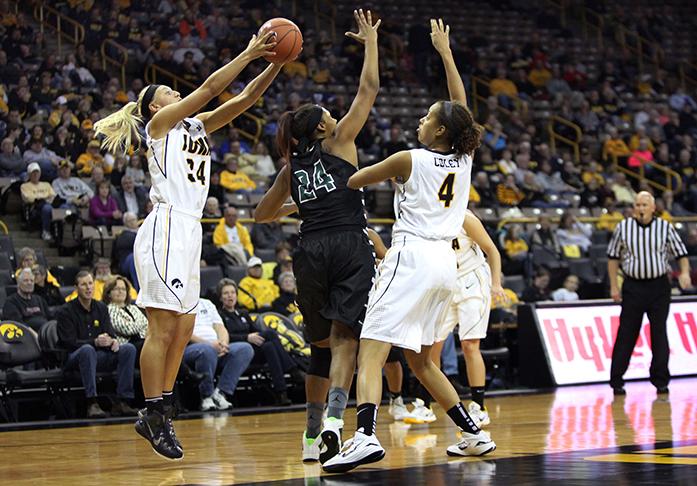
column 478, row 282
column 334, row 262
column 167, row 250
column 418, row 275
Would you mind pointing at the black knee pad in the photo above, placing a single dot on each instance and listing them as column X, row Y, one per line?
column 320, row 361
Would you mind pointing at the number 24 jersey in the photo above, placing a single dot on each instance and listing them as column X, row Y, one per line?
column 180, row 166
column 432, row 203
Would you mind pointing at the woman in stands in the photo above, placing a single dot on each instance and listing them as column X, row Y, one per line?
column 334, row 262
column 167, row 250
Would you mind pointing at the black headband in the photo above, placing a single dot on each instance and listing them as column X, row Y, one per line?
column 448, row 107
column 303, row 132
column 147, row 99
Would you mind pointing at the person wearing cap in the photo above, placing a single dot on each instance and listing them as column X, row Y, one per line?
column 74, row 191
column 91, row 158
column 233, row 238
column 234, row 180
column 37, row 197
column 257, row 293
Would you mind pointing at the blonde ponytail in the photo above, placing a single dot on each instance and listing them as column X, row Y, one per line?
column 119, row 128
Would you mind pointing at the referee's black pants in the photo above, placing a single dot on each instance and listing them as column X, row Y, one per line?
column 638, row 297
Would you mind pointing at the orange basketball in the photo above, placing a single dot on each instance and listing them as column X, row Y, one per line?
column 289, row 40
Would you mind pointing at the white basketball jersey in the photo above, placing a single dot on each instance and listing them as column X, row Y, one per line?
column 433, row 202
column 180, row 166
column 469, row 255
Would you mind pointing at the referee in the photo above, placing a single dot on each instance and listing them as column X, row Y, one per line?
column 641, row 245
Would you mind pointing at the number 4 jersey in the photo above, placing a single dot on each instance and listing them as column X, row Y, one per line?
column 318, row 187
column 180, row 166
column 432, row 203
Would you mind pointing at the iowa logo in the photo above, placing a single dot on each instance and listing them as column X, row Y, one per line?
column 11, row 332
column 176, row 283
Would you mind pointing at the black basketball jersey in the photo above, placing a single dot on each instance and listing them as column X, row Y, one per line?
column 318, row 187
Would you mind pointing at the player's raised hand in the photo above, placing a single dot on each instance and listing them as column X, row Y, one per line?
column 367, row 31
column 440, row 35
column 261, row 45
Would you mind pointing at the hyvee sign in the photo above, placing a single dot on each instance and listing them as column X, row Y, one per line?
column 578, row 342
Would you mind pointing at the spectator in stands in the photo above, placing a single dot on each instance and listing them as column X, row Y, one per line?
column 661, row 211
column 691, row 242
column 102, row 275
column 85, row 330
column 508, row 193
column 26, row 258
column 265, row 342
column 96, row 178
column 395, row 143
column 210, row 349
column 551, row 181
column 538, row 291
column 610, row 216
column 545, row 236
column 234, row 180
column 503, row 88
column 257, row 293
column 641, row 156
column 233, row 238
column 216, row 190
column 614, row 146
column 264, row 166
column 73, row 192
column 91, row 159
column 135, row 170
column 118, row 170
column 50, row 293
column 104, row 209
column 593, row 171
column 572, row 232
column 128, row 321
column 285, row 303
column 24, row 305
column 622, row 189
column 211, row 210
column 38, row 196
column 267, row 235
column 567, row 293
column 11, row 162
column 47, row 159
column 131, row 198
column 487, row 196
column 122, row 250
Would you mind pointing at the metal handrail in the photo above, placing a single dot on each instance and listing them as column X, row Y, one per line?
column 555, row 137
column 671, row 175
column 119, row 63
column 584, row 219
column 50, row 17
column 151, row 77
column 621, row 35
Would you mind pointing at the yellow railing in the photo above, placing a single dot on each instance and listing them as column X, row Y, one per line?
column 3, row 227
column 688, row 82
column 584, row 219
column 325, row 15
column 119, row 62
column 156, row 74
column 673, row 179
column 64, row 26
column 555, row 137
column 646, row 51
column 592, row 25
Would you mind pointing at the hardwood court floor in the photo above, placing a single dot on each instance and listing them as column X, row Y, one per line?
column 575, row 435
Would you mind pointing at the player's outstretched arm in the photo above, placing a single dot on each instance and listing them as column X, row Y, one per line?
column 228, row 111
column 172, row 114
column 475, row 230
column 440, row 37
column 395, row 166
column 348, row 127
column 273, row 205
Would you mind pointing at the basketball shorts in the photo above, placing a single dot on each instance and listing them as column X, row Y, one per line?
column 167, row 254
column 334, row 272
column 470, row 306
column 411, row 294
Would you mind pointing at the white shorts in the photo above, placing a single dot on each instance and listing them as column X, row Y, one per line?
column 411, row 293
column 470, row 306
column 167, row 254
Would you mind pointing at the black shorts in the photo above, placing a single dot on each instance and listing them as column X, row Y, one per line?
column 334, row 273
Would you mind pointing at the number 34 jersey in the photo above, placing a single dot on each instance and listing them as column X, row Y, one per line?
column 318, row 187
column 432, row 203
column 180, row 166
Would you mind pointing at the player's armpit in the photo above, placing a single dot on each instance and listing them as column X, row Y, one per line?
column 397, row 165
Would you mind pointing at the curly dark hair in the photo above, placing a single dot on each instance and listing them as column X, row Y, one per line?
column 461, row 131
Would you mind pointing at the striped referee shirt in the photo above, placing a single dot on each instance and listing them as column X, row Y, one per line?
column 643, row 248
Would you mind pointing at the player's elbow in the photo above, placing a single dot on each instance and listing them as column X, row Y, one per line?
column 354, row 182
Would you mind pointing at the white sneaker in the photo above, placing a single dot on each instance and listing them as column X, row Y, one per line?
column 479, row 415
column 359, row 450
column 221, row 402
column 207, row 404
column 421, row 414
column 46, row 236
column 311, row 448
column 331, row 438
column 473, row 445
column 398, row 410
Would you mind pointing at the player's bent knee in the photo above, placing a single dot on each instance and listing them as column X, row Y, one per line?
column 320, row 361
column 470, row 346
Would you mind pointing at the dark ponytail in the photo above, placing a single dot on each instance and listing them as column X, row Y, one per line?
column 297, row 128
column 462, row 133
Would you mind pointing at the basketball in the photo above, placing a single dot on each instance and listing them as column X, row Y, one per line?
column 289, row 40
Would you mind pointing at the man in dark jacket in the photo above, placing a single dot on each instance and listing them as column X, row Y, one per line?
column 84, row 329
column 25, row 306
column 131, row 198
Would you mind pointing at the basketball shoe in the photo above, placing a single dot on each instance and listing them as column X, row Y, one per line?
column 170, row 414
column 472, row 445
column 311, row 448
column 398, row 410
column 220, row 401
column 478, row 414
column 152, row 426
column 331, row 438
column 420, row 414
column 360, row 449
